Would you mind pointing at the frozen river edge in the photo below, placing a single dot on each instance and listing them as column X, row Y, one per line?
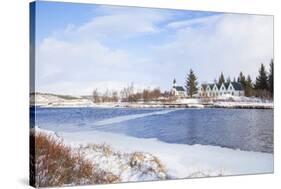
column 181, row 161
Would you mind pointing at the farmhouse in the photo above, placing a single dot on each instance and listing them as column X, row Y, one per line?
column 177, row 91
column 216, row 90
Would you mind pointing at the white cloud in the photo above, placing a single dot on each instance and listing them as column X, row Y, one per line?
column 77, row 60
column 231, row 43
column 77, row 63
column 116, row 22
column 207, row 20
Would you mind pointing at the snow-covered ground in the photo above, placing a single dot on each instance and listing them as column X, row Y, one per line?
column 126, row 166
column 188, row 101
column 51, row 100
column 191, row 102
column 225, row 101
column 181, row 161
column 229, row 101
column 228, row 97
column 226, row 104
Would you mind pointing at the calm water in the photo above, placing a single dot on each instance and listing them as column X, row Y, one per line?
column 245, row 129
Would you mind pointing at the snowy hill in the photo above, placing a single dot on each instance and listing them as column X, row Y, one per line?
column 53, row 100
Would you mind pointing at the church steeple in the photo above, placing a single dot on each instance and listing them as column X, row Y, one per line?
column 174, row 82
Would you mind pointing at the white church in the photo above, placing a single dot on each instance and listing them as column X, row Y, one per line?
column 177, row 90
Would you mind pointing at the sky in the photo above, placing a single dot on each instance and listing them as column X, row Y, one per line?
column 80, row 47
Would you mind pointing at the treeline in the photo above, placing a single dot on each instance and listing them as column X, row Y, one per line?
column 107, row 96
column 129, row 94
column 261, row 87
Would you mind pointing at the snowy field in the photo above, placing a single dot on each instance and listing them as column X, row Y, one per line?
column 180, row 161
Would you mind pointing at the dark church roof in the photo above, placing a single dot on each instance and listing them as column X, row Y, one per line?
column 179, row 88
column 204, row 86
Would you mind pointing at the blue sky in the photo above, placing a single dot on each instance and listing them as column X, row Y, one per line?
column 80, row 47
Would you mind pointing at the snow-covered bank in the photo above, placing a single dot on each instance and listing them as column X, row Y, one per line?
column 181, row 161
column 246, row 105
column 53, row 100
column 229, row 101
column 108, row 163
column 225, row 101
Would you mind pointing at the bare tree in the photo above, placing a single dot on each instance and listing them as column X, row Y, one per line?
column 145, row 95
column 135, row 97
column 95, row 95
column 127, row 92
column 106, row 96
column 148, row 94
column 114, row 96
column 155, row 93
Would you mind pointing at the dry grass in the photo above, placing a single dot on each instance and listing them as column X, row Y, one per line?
column 57, row 165
column 148, row 164
column 137, row 164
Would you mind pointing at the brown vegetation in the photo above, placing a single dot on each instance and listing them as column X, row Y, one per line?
column 128, row 94
column 57, row 165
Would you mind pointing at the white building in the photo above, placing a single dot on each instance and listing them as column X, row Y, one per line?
column 215, row 90
column 178, row 91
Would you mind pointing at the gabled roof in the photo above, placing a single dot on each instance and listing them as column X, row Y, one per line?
column 237, row 86
column 226, row 85
column 204, row 86
column 223, row 84
column 218, row 86
column 179, row 88
column 213, row 85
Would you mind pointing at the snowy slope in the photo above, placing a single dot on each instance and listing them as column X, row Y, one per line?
column 181, row 161
column 51, row 100
column 135, row 166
